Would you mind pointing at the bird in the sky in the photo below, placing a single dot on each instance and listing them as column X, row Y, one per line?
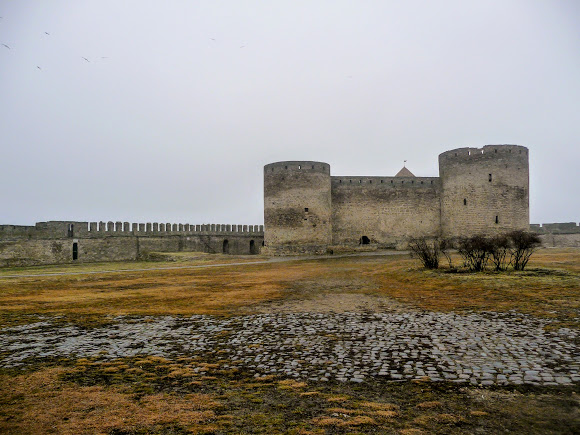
column 6, row 46
column 39, row 67
column 213, row 39
column 85, row 58
column 47, row 33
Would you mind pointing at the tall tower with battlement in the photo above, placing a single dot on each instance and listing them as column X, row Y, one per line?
column 484, row 190
column 297, row 207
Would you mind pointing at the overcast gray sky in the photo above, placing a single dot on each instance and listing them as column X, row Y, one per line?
column 179, row 104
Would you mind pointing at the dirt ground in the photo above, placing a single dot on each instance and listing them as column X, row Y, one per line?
column 149, row 394
column 332, row 303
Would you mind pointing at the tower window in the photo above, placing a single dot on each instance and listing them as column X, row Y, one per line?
column 490, row 178
column 75, row 251
column 306, row 209
column 497, row 219
column 299, row 166
column 464, row 201
column 312, row 166
column 285, row 167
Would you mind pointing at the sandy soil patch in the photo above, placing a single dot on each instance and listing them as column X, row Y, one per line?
column 331, row 303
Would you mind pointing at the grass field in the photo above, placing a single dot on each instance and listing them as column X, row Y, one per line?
column 154, row 395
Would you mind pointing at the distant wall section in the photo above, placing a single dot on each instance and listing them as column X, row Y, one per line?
column 60, row 242
column 560, row 235
column 384, row 210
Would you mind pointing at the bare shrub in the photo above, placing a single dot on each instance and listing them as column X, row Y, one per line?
column 523, row 245
column 445, row 245
column 427, row 252
column 499, row 249
column 475, row 252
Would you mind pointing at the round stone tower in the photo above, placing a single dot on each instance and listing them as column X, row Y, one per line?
column 297, row 207
column 484, row 190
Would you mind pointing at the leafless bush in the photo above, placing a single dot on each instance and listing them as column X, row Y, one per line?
column 427, row 252
column 499, row 249
column 475, row 251
column 445, row 245
column 523, row 245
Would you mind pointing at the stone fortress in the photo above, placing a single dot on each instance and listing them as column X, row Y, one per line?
column 308, row 211
column 478, row 191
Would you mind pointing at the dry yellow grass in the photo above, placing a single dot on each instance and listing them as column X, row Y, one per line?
column 358, row 420
column 549, row 288
column 380, row 406
column 39, row 403
column 98, row 400
column 478, row 413
column 339, row 399
column 291, row 384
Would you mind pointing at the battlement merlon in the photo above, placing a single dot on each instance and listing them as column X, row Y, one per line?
column 79, row 229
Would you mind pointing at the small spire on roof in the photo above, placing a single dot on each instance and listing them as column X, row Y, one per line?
column 404, row 172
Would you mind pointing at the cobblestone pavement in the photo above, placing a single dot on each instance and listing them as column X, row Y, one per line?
column 482, row 349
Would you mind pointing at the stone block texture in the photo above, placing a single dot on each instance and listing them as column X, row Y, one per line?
column 59, row 242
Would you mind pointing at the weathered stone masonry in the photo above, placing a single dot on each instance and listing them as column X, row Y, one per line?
column 479, row 190
column 306, row 210
column 71, row 242
column 564, row 235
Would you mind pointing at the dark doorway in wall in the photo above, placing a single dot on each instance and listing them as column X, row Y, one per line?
column 253, row 247
column 226, row 248
column 364, row 240
column 75, row 251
